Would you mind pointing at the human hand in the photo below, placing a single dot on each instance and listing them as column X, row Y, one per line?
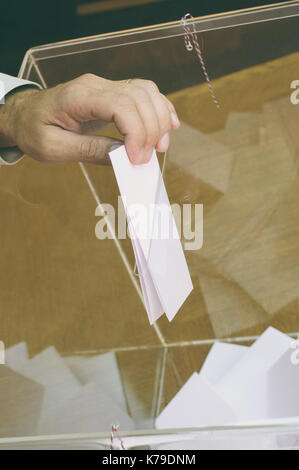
column 53, row 125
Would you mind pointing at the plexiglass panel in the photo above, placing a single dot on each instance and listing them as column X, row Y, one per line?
column 75, row 300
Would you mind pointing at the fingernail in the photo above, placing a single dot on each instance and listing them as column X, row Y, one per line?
column 163, row 143
column 175, row 120
column 143, row 156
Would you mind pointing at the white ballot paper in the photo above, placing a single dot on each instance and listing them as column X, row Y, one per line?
column 240, row 385
column 164, row 274
column 283, row 387
column 102, row 370
column 221, row 358
column 245, row 386
column 196, row 404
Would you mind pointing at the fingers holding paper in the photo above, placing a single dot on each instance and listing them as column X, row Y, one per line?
column 140, row 112
column 54, row 125
column 157, row 113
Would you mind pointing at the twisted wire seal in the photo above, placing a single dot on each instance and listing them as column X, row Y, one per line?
column 114, row 429
column 191, row 42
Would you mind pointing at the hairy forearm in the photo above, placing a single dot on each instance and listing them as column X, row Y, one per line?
column 10, row 116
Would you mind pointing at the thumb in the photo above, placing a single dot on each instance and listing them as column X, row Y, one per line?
column 68, row 146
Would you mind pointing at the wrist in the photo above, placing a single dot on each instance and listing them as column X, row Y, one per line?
column 11, row 116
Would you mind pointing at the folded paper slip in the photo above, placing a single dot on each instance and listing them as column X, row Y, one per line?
column 164, row 274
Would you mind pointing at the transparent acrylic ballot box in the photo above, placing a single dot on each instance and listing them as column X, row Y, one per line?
column 80, row 353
